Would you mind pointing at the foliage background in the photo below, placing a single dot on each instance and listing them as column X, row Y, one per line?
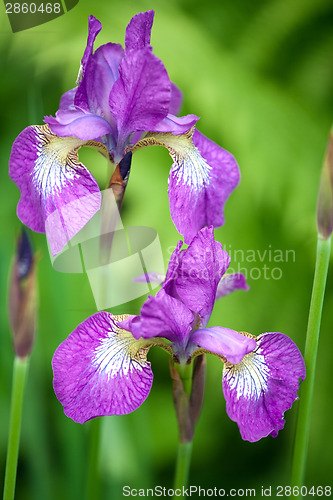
column 260, row 75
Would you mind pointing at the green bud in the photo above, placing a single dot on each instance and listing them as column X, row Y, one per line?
column 325, row 197
column 23, row 297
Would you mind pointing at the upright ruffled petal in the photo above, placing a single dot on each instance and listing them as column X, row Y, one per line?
column 263, row 386
column 101, row 370
column 162, row 316
column 228, row 343
column 230, row 283
column 138, row 31
column 199, row 271
column 58, row 194
column 140, row 98
column 94, row 27
column 102, row 70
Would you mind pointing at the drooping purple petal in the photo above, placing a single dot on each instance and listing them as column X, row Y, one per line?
column 140, row 98
column 229, row 343
column 138, row 31
column 200, row 269
column 224, row 176
column 263, row 386
column 229, row 283
column 58, row 194
column 77, row 123
column 101, row 370
column 162, row 316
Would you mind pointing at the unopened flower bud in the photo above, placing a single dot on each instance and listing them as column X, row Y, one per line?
column 325, row 197
column 23, row 297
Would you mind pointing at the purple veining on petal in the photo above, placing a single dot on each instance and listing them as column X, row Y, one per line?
column 224, row 177
column 138, row 31
column 201, row 179
column 263, row 386
column 140, row 98
column 100, row 370
column 201, row 267
column 230, row 283
column 229, row 343
column 58, row 194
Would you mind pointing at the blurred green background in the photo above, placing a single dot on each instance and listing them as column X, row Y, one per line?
column 260, row 76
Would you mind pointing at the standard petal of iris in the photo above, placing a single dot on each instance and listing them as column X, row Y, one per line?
column 101, row 72
column 263, row 386
column 94, row 27
column 140, row 98
column 228, row 343
column 101, row 370
column 230, row 283
column 138, row 31
column 200, row 269
column 58, row 194
column 163, row 316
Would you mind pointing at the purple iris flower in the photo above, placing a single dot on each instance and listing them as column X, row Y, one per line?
column 102, row 367
column 123, row 99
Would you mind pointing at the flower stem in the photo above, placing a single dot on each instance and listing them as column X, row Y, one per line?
column 93, row 479
column 310, row 357
column 183, row 465
column 19, row 375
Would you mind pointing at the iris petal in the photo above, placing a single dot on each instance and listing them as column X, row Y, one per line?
column 140, row 98
column 263, row 386
column 228, row 343
column 230, row 283
column 58, row 194
column 138, row 31
column 101, row 370
column 200, row 268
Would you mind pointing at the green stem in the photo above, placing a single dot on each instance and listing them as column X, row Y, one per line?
column 183, row 466
column 93, row 480
column 19, row 375
column 185, row 442
column 310, row 358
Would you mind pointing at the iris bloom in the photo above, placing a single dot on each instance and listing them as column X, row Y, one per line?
column 102, row 367
column 123, row 100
